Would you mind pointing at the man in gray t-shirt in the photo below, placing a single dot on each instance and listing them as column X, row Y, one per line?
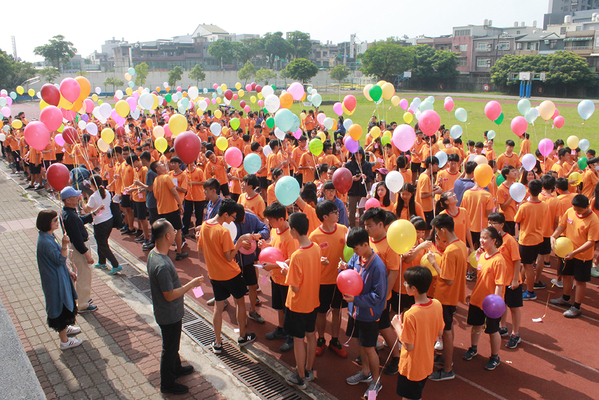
column 167, row 299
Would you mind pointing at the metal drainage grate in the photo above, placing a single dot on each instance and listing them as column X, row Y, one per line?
column 141, row 282
column 261, row 381
column 188, row 316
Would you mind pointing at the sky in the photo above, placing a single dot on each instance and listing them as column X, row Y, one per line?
column 88, row 26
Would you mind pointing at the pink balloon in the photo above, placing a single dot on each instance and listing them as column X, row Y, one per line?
column 403, row 103
column 320, row 118
column 349, row 282
column 136, row 95
column 545, row 147
column 69, row 115
column 429, row 122
column 338, row 108
column 404, row 137
column 372, row 203
column 70, row 89
column 297, row 134
column 519, row 125
column 37, row 135
column 235, row 97
column 166, row 118
column 89, row 105
column 246, row 109
column 233, row 157
column 167, row 131
column 5, row 111
column 132, row 101
column 351, row 145
column 271, row 255
column 261, row 103
column 179, row 88
column 297, row 91
column 59, row 140
column 213, row 101
column 252, row 248
column 448, row 105
column 555, row 115
column 51, row 117
column 9, row 101
column 248, row 88
column 559, row 121
column 493, row 110
column 215, row 86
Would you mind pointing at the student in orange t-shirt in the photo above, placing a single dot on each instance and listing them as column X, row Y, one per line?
column 330, row 236
column 216, row 168
column 195, row 199
column 303, row 280
column 417, row 331
column 138, row 198
column 448, row 204
column 491, row 279
column 224, row 272
column 564, row 197
column 509, row 157
column 425, row 189
column 270, row 192
column 250, row 200
column 446, row 178
column 479, row 203
column 406, row 206
column 506, row 204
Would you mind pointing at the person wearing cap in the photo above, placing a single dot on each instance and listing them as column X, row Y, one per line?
column 81, row 254
column 381, row 174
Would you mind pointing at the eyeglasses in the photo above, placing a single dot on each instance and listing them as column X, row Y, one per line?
column 334, row 212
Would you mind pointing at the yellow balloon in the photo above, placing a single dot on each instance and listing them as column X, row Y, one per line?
column 103, row 146
column 408, row 117
column 472, row 259
column 381, row 83
column 401, row 236
column 161, row 144
column 122, row 108
column 483, row 174
column 155, row 104
column 129, row 91
column 253, row 99
column 238, row 85
column 375, row 132
column 64, row 103
column 94, row 97
column 388, row 91
column 43, row 104
column 322, row 136
column 346, row 111
column 260, row 96
column 563, row 246
column 219, row 100
column 303, row 116
column 366, row 91
column 240, row 93
column 107, row 135
column 388, row 134
column 575, row 179
column 149, row 123
column 223, row 87
column 547, row 109
column 127, row 76
column 395, row 100
column 222, row 143
column 572, row 142
column 20, row 90
column 218, row 114
column 177, row 124
column 31, row 92
column 17, row 124
column 424, row 262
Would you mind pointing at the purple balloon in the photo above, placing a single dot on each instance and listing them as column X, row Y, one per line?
column 85, row 117
column 493, row 306
column 352, row 145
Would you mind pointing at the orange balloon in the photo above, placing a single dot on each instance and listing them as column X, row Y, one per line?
column 86, row 89
column 149, row 123
column 157, row 89
column 286, row 100
column 483, row 174
column 77, row 105
column 355, row 131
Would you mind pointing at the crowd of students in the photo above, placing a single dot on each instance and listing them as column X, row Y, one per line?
column 465, row 232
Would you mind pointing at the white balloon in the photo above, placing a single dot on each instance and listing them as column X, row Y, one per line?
column 92, row 129
column 518, row 192
column 394, row 181
column 98, row 90
column 267, row 91
column 2, row 137
column 81, row 124
column 279, row 134
column 193, row 93
column 105, row 110
column 175, row 97
column 118, row 94
column 272, row 103
column 232, row 228
column 266, row 150
column 442, row 157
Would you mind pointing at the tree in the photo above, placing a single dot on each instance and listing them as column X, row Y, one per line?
column 301, row 45
column 82, row 73
column 264, row 75
column 283, row 75
column 301, row 69
column 197, row 74
column 174, row 75
column 141, row 74
column 248, row 49
column 58, row 51
column 223, row 51
column 433, row 66
column 49, row 74
column 276, row 46
column 246, row 72
column 385, row 60
column 114, row 82
column 13, row 72
column 339, row 73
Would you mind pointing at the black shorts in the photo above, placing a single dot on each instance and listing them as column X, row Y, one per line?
column 428, row 216
column 35, row 169
column 299, row 177
column 409, row 389
column 407, row 301
column 235, row 196
column 330, row 297
column 233, row 287
column 59, row 157
column 263, row 182
column 225, row 189
column 385, row 319
column 513, row 297
column 475, row 240
column 140, row 211
column 528, row 254
column 580, row 270
column 249, row 275
column 448, row 312
column 174, row 218
column 510, row 227
column 298, row 324
column 366, row 332
column 415, row 168
column 545, row 247
column 279, row 295
column 125, row 201
column 477, row 317
column 47, row 164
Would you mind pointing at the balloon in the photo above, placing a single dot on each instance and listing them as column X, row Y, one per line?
column 266, row 150
column 395, row 101
column 92, row 129
column 375, row 92
column 388, row 90
column 85, row 86
column 372, row 203
column 272, row 103
column 531, row 115
column 228, row 94
column 584, row 144
column 350, row 282
column 50, row 94
column 355, row 131
column 448, row 104
column 328, row 123
column 338, row 109
column 234, row 157
column 404, row 137
column 222, row 143
column 479, row 159
column 456, row 131
column 20, row 90
column 375, row 132
column 158, row 131
column 351, row 145
column 429, row 122
column 493, row 110
column 347, row 123
column 177, row 124
column 575, row 179
column 70, row 89
column 472, row 260
column 188, row 146
column 107, row 135
column 528, row 162
column 483, row 174
column 519, row 125
column 493, row 306
column 342, row 179
column 403, row 103
column 394, row 181
column 563, row 246
column 559, row 122
column 491, row 135
column 499, row 180
column 287, row 190
column 102, row 145
column 442, row 156
column 426, row 105
column 572, row 142
column 122, row 108
column 545, row 147
column 69, row 134
column 461, row 115
column 401, row 236
column 408, row 117
column 524, row 106
column 424, row 262
column 315, row 146
column 58, row 176
column 350, row 102
column 51, row 117
column 252, row 163
column 296, row 90
column 582, row 163
column 499, row 120
column 105, row 110
column 37, row 135
column 161, row 144
column 518, row 192
column 547, row 109
column 348, row 252
column 286, row 100
column 284, row 119
column 316, row 100
column 271, row 255
column 59, row 140
column 586, row 108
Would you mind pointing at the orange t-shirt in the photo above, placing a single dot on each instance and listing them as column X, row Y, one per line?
column 331, row 246
column 181, row 180
column 405, row 211
column 236, row 143
column 270, row 194
column 424, row 186
column 453, row 268
column 215, row 240
column 287, row 244
column 312, row 217
column 512, row 160
column 549, row 219
column 529, row 216
column 307, row 160
column 564, row 203
column 261, row 140
column 165, row 202
column 140, row 195
column 503, row 195
column 253, row 204
column 389, row 257
column 477, row 202
column 446, row 180
column 492, row 271
column 511, row 253
column 304, row 273
column 461, row 223
column 580, row 230
column 195, row 192
column 589, row 180
column 127, row 175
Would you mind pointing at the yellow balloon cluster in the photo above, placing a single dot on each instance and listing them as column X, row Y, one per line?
column 401, row 236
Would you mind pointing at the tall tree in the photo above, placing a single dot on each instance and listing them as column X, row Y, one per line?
column 175, row 75
column 58, row 51
column 265, row 75
column 197, row 74
column 223, row 51
column 141, row 73
column 114, row 82
column 246, row 72
column 13, row 72
column 433, row 66
column 301, row 45
column 338, row 74
column 276, row 46
column 386, row 60
column 49, row 74
column 301, row 69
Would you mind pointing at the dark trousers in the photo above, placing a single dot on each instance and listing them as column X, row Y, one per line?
column 170, row 362
column 152, row 216
column 101, row 234
column 188, row 210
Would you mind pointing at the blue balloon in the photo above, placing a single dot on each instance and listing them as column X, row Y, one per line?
column 296, row 124
column 456, row 131
column 316, row 100
column 586, row 108
column 347, row 123
column 131, row 84
column 442, row 157
column 131, row 71
column 284, row 119
column 287, row 190
column 252, row 163
column 185, row 101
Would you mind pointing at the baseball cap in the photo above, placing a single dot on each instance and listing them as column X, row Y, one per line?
column 382, row 171
column 69, row 192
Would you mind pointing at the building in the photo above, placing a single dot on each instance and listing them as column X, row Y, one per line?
column 558, row 9
column 542, row 43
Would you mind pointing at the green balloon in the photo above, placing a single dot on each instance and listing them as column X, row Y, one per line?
column 348, row 253
column 234, row 123
column 385, row 140
column 168, row 98
column 500, row 179
column 582, row 163
column 270, row 122
column 375, row 93
column 315, row 146
column 499, row 120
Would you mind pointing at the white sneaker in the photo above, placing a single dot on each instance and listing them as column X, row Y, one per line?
column 439, row 345
column 559, row 284
column 73, row 330
column 70, row 344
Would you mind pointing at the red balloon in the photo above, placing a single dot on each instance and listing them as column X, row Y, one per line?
column 228, row 94
column 120, row 131
column 52, row 117
column 350, row 102
column 372, row 203
column 69, row 134
column 258, row 88
column 253, row 85
column 350, row 282
column 58, row 176
column 242, row 104
column 37, row 135
column 342, row 179
column 50, row 94
column 271, row 255
column 188, row 146
column 429, row 122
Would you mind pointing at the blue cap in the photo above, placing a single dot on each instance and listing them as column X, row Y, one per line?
column 69, row 192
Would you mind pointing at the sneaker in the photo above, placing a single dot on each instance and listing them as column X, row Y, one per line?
column 441, row 375
column 276, row 334
column 358, row 360
column 116, row 270
column 139, row 233
column 320, row 345
column 439, row 360
column 513, row 342
column 211, row 302
column 560, row 302
column 147, row 246
column 470, row 276
column 287, row 346
column 90, row 308
column 503, row 331
column 38, row 187
column 572, row 312
column 183, row 371
column 140, row 239
column 247, row 339
column 373, row 387
column 393, row 367
column 338, row 349
column 258, row 289
column 175, row 388
column 492, row 363
column 540, row 285
column 71, row 343
column 217, row 348
column 529, row 295
column 379, row 346
column 253, row 315
column 127, row 232
column 124, row 228
column 258, row 302
column 559, row 284
column 100, row 266
column 439, row 345
column 295, row 380
column 181, row 256
column 359, row 378
column 310, row 376
column 73, row 330
column 469, row 354
column 595, row 272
